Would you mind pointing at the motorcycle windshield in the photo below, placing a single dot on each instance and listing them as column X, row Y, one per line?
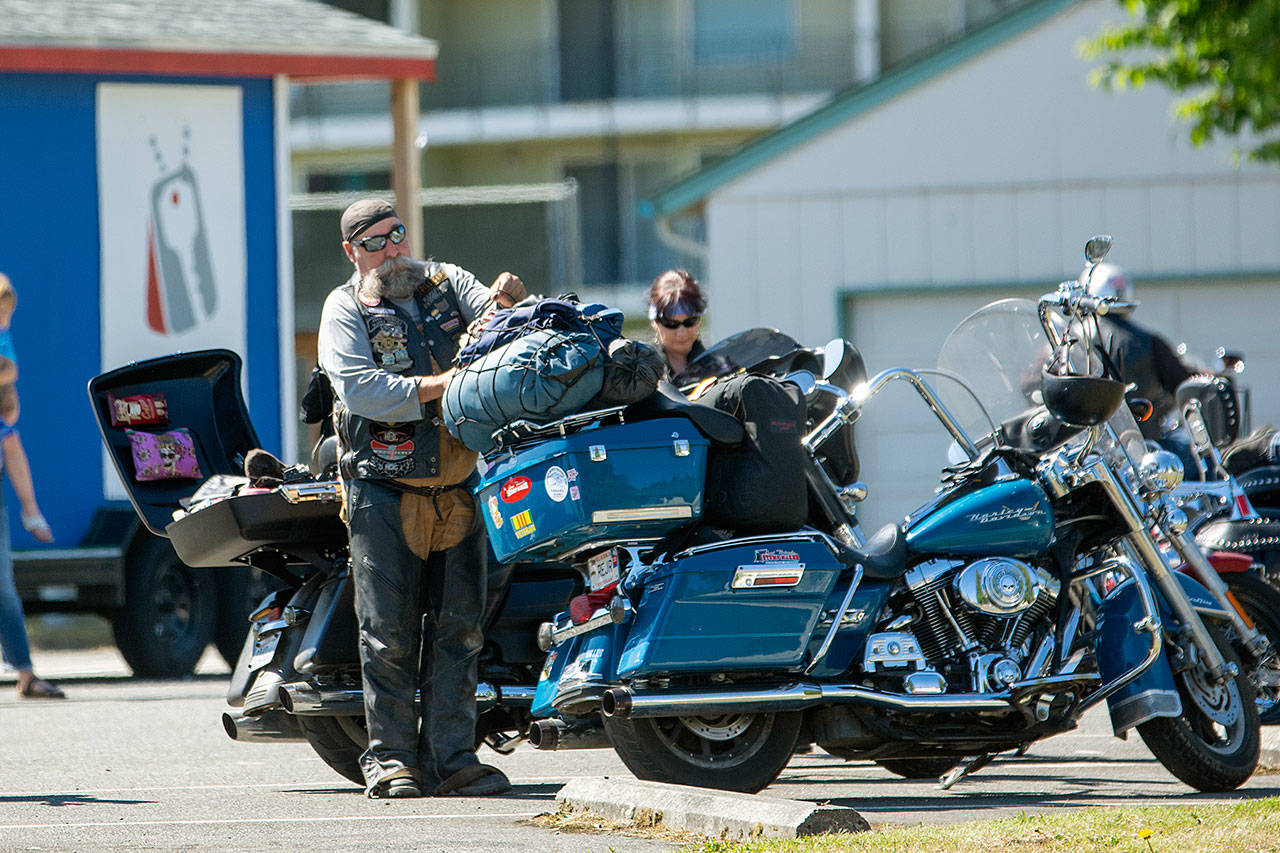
column 990, row 366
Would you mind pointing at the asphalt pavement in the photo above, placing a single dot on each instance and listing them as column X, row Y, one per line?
column 130, row 764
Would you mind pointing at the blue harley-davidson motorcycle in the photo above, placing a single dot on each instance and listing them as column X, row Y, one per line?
column 1036, row 584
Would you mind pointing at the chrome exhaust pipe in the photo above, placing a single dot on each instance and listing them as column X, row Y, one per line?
column 306, row 701
column 267, row 727
column 626, row 702
column 556, row 734
column 301, row 698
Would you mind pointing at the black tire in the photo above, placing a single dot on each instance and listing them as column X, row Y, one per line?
column 732, row 752
column 1261, row 603
column 339, row 741
column 234, row 604
column 1214, row 745
column 918, row 768
column 169, row 612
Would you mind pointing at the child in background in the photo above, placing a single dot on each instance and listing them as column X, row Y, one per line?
column 13, row 629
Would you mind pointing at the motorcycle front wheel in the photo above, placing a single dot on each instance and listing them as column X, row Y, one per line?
column 731, row 752
column 339, row 741
column 1214, row 745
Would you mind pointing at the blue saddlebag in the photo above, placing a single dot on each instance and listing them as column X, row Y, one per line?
column 630, row 481
column 735, row 608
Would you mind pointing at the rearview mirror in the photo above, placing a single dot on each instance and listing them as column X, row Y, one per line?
column 1097, row 247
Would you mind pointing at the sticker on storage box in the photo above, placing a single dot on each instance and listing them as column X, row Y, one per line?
column 574, row 493
column 494, row 512
column 557, row 483
column 514, row 489
column 602, row 569
column 523, row 524
column 571, row 474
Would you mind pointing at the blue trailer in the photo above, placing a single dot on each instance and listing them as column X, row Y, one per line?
column 144, row 177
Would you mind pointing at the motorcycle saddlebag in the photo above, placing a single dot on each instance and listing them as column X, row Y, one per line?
column 758, row 486
column 735, row 608
column 630, row 481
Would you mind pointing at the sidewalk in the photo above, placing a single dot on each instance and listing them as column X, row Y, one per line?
column 104, row 662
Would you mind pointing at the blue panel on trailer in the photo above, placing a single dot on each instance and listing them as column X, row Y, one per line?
column 48, row 168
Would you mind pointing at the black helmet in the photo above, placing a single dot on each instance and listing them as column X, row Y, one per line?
column 1081, row 401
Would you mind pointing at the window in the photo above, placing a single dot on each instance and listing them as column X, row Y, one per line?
column 737, row 30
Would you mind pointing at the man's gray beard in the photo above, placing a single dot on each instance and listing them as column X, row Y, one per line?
column 394, row 278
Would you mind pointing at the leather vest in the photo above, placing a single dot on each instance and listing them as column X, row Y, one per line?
column 374, row 450
column 1138, row 365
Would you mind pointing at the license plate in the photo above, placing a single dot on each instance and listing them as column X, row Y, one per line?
column 264, row 649
column 602, row 569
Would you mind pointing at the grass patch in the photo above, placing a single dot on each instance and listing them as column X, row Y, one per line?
column 568, row 820
column 1225, row 828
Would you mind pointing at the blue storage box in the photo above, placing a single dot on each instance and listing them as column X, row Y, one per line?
column 616, row 483
column 735, row 608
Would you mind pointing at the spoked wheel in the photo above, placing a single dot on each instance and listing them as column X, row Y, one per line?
column 732, row 752
column 339, row 741
column 1261, row 603
column 918, row 768
column 1214, row 745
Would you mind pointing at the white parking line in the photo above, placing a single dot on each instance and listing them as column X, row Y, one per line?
column 256, row 820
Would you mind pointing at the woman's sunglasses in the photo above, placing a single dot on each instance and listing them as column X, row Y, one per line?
column 378, row 243
column 687, row 322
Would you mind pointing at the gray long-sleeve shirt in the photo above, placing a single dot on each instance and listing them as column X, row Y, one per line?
column 346, row 354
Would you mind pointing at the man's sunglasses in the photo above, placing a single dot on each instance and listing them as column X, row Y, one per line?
column 687, row 322
column 378, row 243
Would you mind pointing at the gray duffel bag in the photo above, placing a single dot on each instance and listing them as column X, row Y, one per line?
column 538, row 377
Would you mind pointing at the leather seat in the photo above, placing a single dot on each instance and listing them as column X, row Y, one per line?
column 667, row 401
column 884, row 557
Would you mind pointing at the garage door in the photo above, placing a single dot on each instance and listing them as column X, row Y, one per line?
column 903, row 447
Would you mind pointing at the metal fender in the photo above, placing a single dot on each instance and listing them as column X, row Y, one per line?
column 577, row 671
column 1120, row 648
column 1201, row 599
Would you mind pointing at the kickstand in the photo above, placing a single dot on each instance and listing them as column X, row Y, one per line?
column 502, row 743
column 964, row 768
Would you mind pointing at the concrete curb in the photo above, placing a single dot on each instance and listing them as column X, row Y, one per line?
column 718, row 814
column 1270, row 746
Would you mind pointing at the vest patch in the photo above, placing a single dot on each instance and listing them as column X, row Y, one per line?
column 389, row 337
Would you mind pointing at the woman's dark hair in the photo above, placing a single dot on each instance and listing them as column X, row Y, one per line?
column 674, row 293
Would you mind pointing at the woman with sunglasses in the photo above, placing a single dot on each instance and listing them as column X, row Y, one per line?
column 676, row 306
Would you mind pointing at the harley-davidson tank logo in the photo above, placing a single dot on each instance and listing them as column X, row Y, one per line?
column 767, row 555
column 1008, row 513
column 515, row 489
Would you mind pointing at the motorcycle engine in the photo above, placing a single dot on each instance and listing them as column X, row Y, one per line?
column 973, row 626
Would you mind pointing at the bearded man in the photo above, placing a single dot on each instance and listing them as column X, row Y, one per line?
column 387, row 340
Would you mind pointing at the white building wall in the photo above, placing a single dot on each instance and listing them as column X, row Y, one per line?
column 987, row 180
column 996, row 171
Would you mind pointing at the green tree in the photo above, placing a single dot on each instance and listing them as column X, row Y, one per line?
column 1222, row 56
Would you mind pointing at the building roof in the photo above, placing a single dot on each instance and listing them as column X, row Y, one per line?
column 858, row 99
column 249, row 38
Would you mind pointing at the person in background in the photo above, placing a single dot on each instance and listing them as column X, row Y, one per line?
column 13, row 628
column 1144, row 358
column 676, row 306
column 387, row 342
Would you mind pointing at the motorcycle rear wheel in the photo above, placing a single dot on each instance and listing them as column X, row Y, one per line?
column 1214, row 745
column 731, row 752
column 339, row 741
column 1261, row 603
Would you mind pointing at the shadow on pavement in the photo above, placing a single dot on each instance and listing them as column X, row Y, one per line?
column 70, row 800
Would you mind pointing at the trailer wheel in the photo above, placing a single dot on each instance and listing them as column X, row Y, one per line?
column 169, row 612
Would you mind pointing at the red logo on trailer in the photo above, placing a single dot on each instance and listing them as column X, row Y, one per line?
column 515, row 489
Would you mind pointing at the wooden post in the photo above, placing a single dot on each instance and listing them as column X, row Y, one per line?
column 406, row 162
